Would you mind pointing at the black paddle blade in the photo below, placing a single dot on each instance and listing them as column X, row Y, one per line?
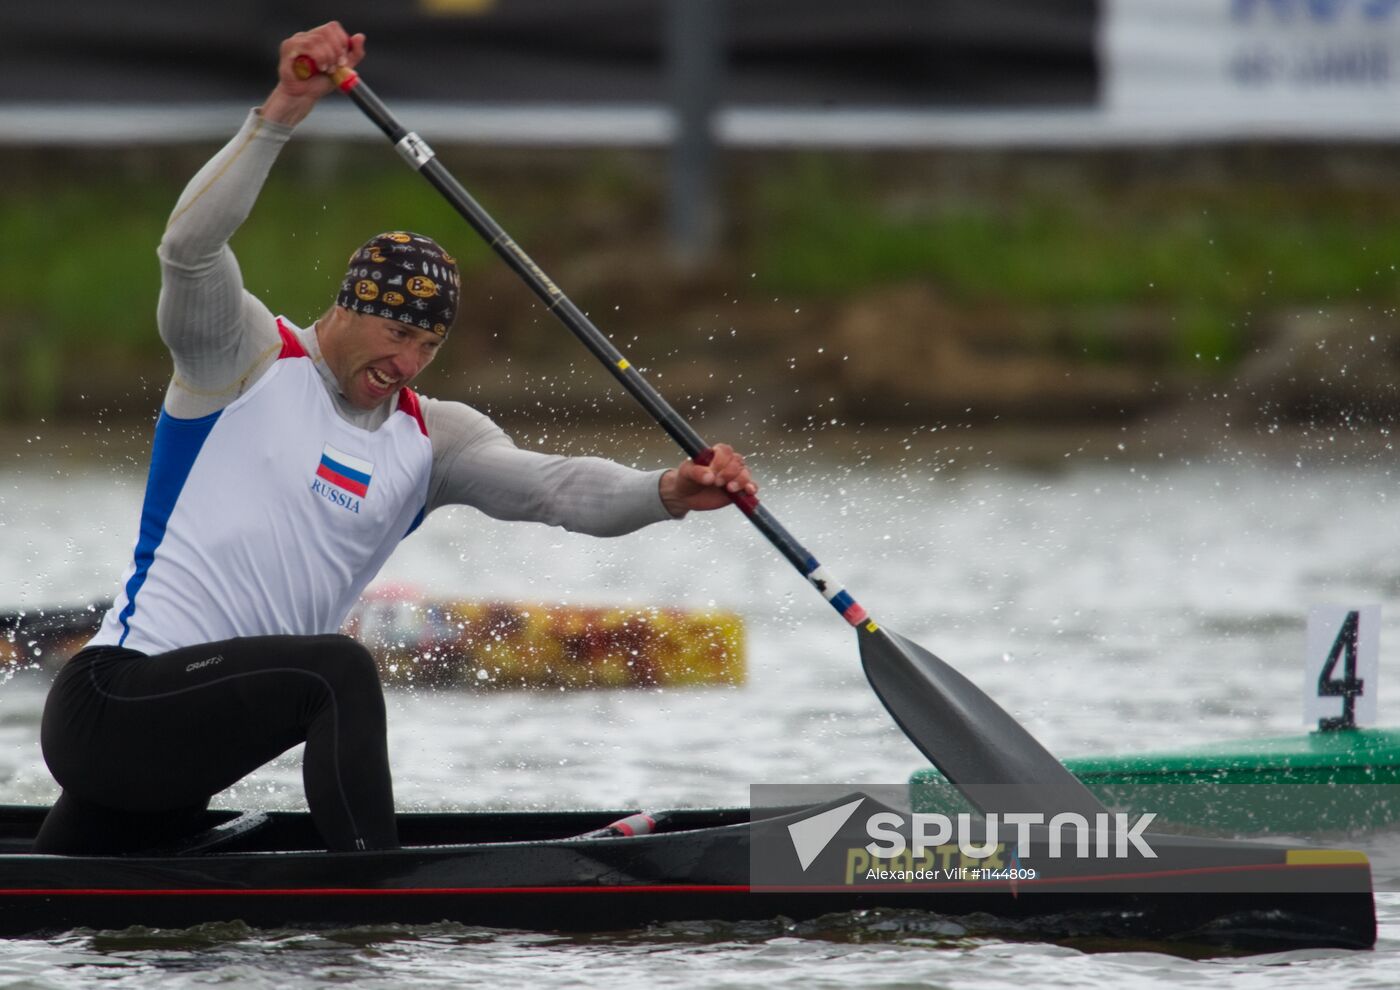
column 983, row 751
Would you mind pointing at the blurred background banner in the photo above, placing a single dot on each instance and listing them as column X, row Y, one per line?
column 889, row 72
column 125, row 59
column 1230, row 68
column 805, row 52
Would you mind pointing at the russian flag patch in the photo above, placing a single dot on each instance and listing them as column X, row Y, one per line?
column 348, row 473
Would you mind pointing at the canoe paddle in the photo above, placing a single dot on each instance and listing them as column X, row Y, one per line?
column 982, row 750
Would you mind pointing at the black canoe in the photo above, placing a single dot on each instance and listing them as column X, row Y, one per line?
column 541, row 871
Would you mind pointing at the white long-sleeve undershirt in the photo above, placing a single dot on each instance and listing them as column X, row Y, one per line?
column 223, row 339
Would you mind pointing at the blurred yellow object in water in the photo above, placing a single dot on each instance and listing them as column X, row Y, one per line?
column 456, row 8
column 513, row 645
column 476, row 644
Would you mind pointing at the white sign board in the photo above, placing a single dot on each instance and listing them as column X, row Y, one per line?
column 1253, row 67
column 1342, row 665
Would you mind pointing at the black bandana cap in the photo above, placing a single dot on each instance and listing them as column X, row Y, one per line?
column 403, row 276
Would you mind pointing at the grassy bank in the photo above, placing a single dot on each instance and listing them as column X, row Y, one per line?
column 1206, row 242
column 1207, row 250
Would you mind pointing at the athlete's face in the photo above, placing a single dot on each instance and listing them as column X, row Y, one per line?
column 372, row 357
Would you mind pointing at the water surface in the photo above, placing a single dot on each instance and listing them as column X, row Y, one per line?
column 1118, row 603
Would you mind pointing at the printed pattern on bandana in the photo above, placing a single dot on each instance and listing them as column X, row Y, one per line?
column 403, row 276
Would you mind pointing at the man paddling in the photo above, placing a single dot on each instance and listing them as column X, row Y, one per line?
column 286, row 466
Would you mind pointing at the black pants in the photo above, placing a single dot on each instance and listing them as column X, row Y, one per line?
column 140, row 743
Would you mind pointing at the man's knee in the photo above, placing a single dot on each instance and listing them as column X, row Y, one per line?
column 343, row 656
column 349, row 668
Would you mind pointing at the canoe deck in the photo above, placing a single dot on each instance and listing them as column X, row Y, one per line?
column 1345, row 780
column 538, row 871
column 1342, row 756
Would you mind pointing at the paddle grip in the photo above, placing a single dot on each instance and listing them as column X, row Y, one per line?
column 304, row 67
column 747, row 503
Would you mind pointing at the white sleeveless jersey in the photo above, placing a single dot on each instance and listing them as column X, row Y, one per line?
column 269, row 516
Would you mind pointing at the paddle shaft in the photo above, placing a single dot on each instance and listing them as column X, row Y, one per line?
column 961, row 730
column 416, row 152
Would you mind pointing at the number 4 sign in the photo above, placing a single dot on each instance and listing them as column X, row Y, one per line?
column 1341, row 667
